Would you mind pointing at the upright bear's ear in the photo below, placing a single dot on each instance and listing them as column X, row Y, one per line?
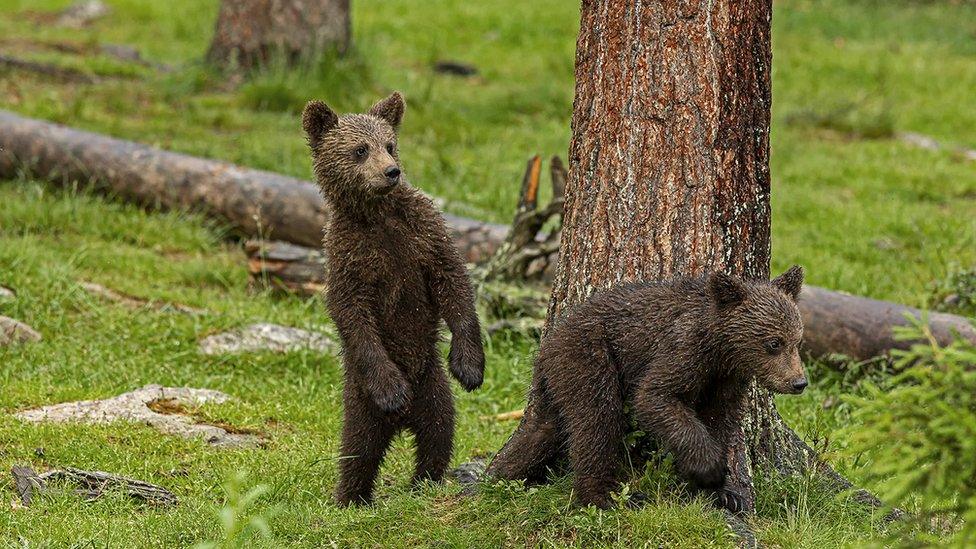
column 317, row 119
column 725, row 289
column 790, row 282
column 390, row 109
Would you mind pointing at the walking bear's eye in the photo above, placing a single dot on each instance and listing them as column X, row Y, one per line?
column 389, row 148
column 774, row 345
column 361, row 152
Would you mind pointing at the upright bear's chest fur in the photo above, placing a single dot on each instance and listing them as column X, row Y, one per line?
column 391, row 260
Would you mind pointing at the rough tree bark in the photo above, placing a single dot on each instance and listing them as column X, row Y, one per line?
column 669, row 165
column 250, row 32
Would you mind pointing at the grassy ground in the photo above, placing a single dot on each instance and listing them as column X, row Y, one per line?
column 863, row 212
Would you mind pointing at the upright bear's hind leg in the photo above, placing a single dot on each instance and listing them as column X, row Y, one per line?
column 432, row 423
column 366, row 435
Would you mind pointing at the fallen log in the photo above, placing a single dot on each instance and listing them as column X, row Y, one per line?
column 861, row 328
column 27, row 483
column 63, row 74
column 252, row 203
column 91, row 485
column 284, row 266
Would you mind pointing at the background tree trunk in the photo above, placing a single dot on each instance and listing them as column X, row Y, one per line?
column 250, row 32
column 669, row 164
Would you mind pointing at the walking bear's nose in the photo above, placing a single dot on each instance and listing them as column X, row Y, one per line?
column 800, row 384
column 392, row 174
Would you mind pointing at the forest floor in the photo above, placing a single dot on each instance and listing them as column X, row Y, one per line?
column 861, row 209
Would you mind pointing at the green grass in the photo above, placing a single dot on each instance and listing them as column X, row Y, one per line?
column 866, row 215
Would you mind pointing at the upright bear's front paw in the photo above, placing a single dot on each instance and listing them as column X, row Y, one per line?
column 392, row 393
column 467, row 363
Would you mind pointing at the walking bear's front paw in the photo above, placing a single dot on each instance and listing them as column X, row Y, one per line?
column 727, row 499
column 391, row 393
column 467, row 362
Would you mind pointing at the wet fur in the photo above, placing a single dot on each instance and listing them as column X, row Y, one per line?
column 681, row 353
column 393, row 274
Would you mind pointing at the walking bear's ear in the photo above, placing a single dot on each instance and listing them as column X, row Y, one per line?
column 790, row 282
column 725, row 289
column 390, row 109
column 317, row 119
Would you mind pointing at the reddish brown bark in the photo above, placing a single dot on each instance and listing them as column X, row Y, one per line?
column 669, row 161
column 249, row 32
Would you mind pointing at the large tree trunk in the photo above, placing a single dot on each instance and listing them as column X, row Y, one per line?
column 250, row 32
column 669, row 163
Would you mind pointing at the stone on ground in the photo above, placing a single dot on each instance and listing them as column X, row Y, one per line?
column 82, row 13
column 265, row 337
column 13, row 332
column 141, row 406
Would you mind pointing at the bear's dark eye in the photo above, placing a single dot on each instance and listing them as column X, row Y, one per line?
column 361, row 152
column 389, row 148
column 774, row 345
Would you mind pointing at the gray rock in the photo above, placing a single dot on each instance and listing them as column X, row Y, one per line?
column 81, row 13
column 141, row 406
column 265, row 337
column 13, row 332
column 470, row 472
column 6, row 294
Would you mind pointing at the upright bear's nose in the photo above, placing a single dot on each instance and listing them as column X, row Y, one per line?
column 392, row 174
column 800, row 384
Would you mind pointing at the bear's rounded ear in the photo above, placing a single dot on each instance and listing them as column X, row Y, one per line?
column 317, row 119
column 790, row 282
column 726, row 289
column 390, row 109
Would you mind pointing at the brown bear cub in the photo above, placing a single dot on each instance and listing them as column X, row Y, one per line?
column 681, row 354
column 393, row 274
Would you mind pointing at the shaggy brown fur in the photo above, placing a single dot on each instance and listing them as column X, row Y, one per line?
column 393, row 274
column 682, row 354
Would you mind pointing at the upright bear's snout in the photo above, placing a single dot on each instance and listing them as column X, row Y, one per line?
column 392, row 175
column 800, row 384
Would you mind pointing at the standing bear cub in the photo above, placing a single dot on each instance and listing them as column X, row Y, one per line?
column 393, row 274
column 681, row 354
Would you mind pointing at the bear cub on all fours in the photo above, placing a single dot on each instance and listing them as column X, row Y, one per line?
column 393, row 273
column 681, row 354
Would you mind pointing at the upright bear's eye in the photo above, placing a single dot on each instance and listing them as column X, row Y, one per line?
column 389, row 148
column 774, row 345
column 361, row 152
